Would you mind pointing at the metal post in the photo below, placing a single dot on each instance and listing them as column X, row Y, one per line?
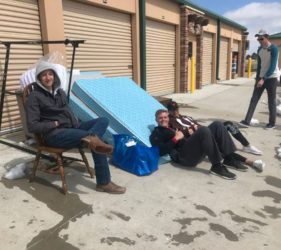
column 8, row 45
column 249, row 67
column 192, row 74
column 71, row 69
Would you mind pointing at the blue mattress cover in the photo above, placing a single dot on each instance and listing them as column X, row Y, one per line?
column 129, row 108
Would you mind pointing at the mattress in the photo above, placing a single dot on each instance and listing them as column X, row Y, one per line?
column 129, row 108
column 85, row 114
column 83, row 75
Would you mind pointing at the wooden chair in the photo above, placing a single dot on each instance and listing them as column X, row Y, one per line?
column 59, row 168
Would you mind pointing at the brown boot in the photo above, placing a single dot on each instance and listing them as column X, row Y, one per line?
column 110, row 188
column 96, row 145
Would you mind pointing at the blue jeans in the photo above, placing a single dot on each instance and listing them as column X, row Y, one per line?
column 71, row 138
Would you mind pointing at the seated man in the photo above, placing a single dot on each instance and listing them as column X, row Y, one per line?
column 49, row 115
column 190, row 151
column 188, row 125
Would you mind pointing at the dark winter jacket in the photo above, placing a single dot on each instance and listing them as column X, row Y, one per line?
column 163, row 138
column 44, row 108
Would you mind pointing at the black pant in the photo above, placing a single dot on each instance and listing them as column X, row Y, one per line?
column 233, row 129
column 213, row 141
column 270, row 85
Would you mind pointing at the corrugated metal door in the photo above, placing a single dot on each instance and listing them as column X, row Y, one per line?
column 235, row 45
column 19, row 22
column 223, row 58
column 207, row 65
column 108, row 46
column 160, row 57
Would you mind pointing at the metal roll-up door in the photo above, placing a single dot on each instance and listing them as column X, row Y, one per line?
column 108, row 46
column 160, row 57
column 235, row 45
column 19, row 22
column 207, row 64
column 223, row 58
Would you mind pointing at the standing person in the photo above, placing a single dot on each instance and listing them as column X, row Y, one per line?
column 190, row 151
column 187, row 125
column 266, row 78
column 49, row 114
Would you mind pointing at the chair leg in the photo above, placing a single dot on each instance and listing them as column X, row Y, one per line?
column 61, row 170
column 90, row 170
column 35, row 165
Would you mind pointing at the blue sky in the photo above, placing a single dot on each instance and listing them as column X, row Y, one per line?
column 254, row 15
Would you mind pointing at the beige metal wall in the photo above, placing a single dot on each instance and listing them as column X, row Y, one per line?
column 160, row 57
column 19, row 22
column 235, row 46
column 224, row 63
column 108, row 47
column 208, row 45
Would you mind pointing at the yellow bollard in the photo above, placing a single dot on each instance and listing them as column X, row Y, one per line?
column 249, row 67
column 192, row 74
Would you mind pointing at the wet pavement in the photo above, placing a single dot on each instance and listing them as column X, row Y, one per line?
column 174, row 208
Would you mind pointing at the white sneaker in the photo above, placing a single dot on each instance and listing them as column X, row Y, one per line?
column 251, row 150
column 279, row 150
column 259, row 165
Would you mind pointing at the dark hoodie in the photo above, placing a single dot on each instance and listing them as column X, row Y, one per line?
column 44, row 108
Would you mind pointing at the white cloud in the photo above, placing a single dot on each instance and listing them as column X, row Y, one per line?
column 256, row 16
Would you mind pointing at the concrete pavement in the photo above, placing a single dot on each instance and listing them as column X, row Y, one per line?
column 174, row 208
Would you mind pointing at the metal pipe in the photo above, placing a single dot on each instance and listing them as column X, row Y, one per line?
column 8, row 46
column 192, row 74
column 218, row 48
column 74, row 43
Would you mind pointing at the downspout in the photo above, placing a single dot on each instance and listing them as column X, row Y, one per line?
column 142, row 43
column 218, row 48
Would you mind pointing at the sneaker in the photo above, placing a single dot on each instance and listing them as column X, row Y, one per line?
column 251, row 150
column 221, row 170
column 258, row 165
column 244, row 124
column 237, row 165
column 269, row 126
column 110, row 188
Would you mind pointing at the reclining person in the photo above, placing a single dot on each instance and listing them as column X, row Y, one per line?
column 48, row 113
column 190, row 151
column 187, row 125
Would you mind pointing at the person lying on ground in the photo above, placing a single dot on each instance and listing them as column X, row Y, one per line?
column 48, row 114
column 187, row 125
column 190, row 151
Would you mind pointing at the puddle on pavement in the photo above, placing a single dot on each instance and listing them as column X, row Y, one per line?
column 184, row 237
column 111, row 240
column 273, row 181
column 241, row 219
column 273, row 211
column 187, row 221
column 268, row 193
column 225, row 231
column 147, row 237
column 206, row 209
column 121, row 216
column 69, row 206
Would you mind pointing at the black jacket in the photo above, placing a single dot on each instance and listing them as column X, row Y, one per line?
column 163, row 139
column 43, row 109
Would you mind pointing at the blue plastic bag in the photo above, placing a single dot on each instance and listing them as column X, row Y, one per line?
column 130, row 155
